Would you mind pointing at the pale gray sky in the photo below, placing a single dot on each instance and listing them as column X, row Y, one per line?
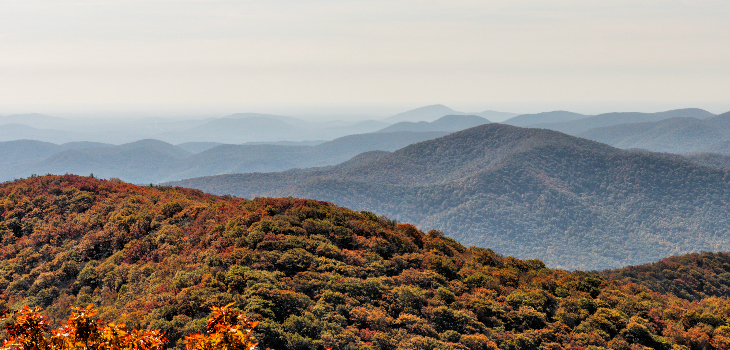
column 286, row 56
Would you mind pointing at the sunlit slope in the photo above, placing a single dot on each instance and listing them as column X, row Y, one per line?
column 314, row 274
column 530, row 193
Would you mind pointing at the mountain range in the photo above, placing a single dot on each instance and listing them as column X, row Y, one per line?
column 536, row 193
column 677, row 135
column 232, row 129
column 153, row 161
column 574, row 123
column 616, row 128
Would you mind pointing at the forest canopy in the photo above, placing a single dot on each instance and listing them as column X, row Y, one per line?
column 313, row 275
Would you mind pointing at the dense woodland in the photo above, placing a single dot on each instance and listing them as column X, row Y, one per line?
column 314, row 274
column 571, row 202
column 692, row 276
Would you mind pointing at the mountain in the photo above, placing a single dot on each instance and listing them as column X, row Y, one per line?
column 427, row 114
column 530, row 193
column 154, row 161
column 575, row 127
column 543, row 118
column 448, row 123
column 677, row 135
column 314, row 275
column 26, row 151
column 159, row 146
column 227, row 159
column 16, row 157
column 143, row 161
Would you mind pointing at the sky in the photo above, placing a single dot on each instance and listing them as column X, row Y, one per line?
column 362, row 57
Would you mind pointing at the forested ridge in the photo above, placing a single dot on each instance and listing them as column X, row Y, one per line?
column 692, row 276
column 314, row 274
column 571, row 202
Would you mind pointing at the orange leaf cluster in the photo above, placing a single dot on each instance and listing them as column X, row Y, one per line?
column 29, row 329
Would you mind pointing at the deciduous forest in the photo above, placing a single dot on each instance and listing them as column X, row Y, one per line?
column 316, row 275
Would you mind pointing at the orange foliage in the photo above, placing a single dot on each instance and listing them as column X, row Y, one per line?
column 227, row 329
column 29, row 329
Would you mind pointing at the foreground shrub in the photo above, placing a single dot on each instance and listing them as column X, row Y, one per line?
column 28, row 329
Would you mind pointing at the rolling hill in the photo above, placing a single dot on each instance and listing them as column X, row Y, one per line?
column 576, row 127
column 153, row 161
column 531, row 193
column 676, row 135
column 315, row 275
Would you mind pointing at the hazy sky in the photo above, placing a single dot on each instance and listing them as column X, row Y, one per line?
column 287, row 56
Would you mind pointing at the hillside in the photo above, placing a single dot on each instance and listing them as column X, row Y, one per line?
column 721, row 147
column 675, row 135
column 153, row 161
column 315, row 275
column 693, row 277
column 447, row 123
column 530, row 193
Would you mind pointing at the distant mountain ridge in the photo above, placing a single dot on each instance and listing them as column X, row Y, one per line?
column 532, row 193
column 261, row 127
column 153, row 161
column 544, row 117
column 677, row 135
column 448, row 123
column 578, row 126
column 434, row 112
